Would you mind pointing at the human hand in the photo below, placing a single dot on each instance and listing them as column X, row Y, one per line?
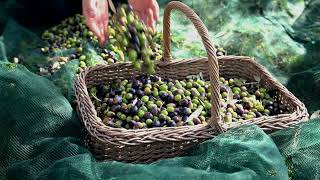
column 147, row 10
column 97, row 18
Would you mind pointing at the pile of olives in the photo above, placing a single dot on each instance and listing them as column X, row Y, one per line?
column 243, row 101
column 129, row 40
column 149, row 101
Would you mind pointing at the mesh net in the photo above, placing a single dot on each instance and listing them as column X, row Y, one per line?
column 41, row 137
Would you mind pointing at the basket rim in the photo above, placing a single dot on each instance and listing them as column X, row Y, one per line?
column 80, row 84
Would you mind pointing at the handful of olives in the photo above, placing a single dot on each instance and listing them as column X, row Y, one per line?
column 129, row 40
column 149, row 101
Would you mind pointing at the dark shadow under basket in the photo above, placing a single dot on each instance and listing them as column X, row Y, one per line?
column 148, row 145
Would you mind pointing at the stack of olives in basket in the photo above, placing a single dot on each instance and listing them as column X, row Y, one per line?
column 149, row 101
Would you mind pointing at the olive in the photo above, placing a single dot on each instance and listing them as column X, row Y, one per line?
column 169, row 98
column 223, row 89
column 173, row 114
column 139, row 103
column 134, row 110
column 196, row 121
column 239, row 110
column 156, row 123
column 162, row 117
column 154, row 111
column 183, row 102
column 162, row 102
column 171, row 123
column 185, row 111
column 176, row 118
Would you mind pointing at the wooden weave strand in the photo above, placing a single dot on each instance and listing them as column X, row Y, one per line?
column 211, row 52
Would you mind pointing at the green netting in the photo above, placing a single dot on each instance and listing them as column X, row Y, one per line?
column 300, row 147
column 41, row 137
column 40, row 140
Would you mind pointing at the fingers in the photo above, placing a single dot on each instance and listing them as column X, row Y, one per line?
column 87, row 8
column 97, row 18
column 105, row 23
column 155, row 9
column 95, row 28
column 150, row 19
column 141, row 15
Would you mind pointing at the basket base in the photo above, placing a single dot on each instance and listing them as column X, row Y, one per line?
column 146, row 153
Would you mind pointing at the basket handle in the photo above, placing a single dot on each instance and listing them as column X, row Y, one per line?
column 214, row 121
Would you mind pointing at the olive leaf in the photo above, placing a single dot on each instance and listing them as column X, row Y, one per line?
column 194, row 77
column 195, row 114
column 201, row 76
column 112, row 6
column 134, row 101
column 201, row 102
column 230, row 96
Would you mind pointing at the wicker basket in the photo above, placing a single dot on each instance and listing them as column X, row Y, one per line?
column 148, row 145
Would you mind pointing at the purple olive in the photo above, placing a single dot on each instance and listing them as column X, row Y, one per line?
column 236, row 96
column 163, row 123
column 156, row 123
column 176, row 118
column 270, row 108
column 163, row 96
column 183, row 102
column 258, row 114
column 154, row 111
column 133, row 123
column 169, row 98
column 115, row 108
column 132, row 91
column 172, row 114
column 135, row 84
column 139, row 103
column 148, row 115
column 132, row 29
column 240, row 111
column 136, row 40
column 171, row 123
column 184, row 118
column 185, row 111
column 196, row 121
column 117, row 100
column 139, row 93
column 223, row 89
column 110, row 101
column 134, row 110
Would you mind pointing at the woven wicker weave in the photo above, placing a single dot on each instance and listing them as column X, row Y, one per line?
column 148, row 145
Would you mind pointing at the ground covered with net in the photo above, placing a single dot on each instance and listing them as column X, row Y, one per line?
column 42, row 138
